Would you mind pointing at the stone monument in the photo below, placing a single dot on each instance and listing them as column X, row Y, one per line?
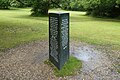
column 58, row 38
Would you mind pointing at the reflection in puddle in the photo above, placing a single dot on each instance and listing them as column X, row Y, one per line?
column 83, row 56
column 91, row 58
column 95, row 64
column 84, row 53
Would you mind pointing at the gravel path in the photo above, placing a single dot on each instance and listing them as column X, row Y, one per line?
column 26, row 63
column 96, row 64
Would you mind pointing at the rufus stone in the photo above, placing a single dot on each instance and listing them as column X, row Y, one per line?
column 58, row 38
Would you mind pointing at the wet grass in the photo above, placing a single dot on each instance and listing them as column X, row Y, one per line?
column 71, row 67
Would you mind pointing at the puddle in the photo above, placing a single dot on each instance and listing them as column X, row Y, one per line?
column 95, row 63
column 90, row 57
column 84, row 56
column 85, row 53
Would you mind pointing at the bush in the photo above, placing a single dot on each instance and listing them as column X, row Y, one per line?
column 72, row 5
column 21, row 3
column 40, row 7
column 4, row 4
column 17, row 4
column 102, row 8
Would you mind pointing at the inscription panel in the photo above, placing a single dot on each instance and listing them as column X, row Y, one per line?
column 53, row 37
column 64, row 31
column 58, row 38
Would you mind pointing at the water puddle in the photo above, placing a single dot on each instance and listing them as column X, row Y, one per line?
column 95, row 63
column 90, row 57
column 85, row 53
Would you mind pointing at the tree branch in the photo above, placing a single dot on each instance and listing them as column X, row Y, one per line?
column 20, row 1
column 56, row 3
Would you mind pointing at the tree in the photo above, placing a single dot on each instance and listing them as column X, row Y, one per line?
column 102, row 7
column 65, row 4
column 118, row 1
column 4, row 4
column 41, row 7
column 21, row 3
column 75, row 5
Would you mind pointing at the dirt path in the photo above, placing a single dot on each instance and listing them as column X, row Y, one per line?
column 26, row 63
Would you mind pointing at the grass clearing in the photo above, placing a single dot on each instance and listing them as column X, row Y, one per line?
column 98, row 31
column 71, row 67
column 17, row 27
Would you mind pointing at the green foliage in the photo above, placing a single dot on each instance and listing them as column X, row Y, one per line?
column 117, row 66
column 65, row 4
column 118, row 1
column 75, row 5
column 21, row 3
column 4, row 4
column 71, row 67
column 40, row 7
column 118, row 71
column 15, row 3
column 102, row 7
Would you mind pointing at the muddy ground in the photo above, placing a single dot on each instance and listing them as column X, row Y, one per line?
column 26, row 62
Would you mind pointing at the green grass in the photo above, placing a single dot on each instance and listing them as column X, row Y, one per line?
column 117, row 66
column 98, row 31
column 71, row 67
column 17, row 27
column 118, row 71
